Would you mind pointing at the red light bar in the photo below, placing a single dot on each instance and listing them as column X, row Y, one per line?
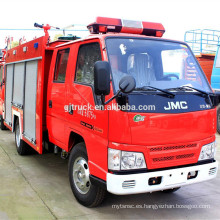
column 104, row 25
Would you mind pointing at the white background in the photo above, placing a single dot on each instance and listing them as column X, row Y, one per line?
column 177, row 16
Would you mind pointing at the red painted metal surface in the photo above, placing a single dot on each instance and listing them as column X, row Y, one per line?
column 159, row 131
column 158, row 128
column 31, row 52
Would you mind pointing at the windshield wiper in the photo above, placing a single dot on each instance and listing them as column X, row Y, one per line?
column 147, row 88
column 203, row 92
column 198, row 90
column 179, row 89
column 183, row 88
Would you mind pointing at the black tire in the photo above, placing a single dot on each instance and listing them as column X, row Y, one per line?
column 86, row 194
column 171, row 190
column 218, row 119
column 3, row 127
column 21, row 146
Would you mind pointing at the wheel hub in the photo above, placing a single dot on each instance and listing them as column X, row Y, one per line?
column 81, row 175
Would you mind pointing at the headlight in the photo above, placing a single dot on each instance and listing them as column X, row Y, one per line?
column 125, row 160
column 208, row 151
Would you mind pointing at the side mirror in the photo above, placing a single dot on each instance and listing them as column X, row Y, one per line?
column 102, row 72
column 127, row 84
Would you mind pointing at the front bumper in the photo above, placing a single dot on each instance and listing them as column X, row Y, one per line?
column 172, row 178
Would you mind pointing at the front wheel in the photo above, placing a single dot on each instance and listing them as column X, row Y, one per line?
column 85, row 192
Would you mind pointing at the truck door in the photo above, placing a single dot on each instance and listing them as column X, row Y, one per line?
column 57, row 98
column 91, row 123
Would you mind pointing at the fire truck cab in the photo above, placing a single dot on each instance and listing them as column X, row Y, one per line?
column 134, row 112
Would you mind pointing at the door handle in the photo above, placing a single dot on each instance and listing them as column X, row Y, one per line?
column 50, row 103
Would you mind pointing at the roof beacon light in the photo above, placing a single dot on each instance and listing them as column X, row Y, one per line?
column 104, row 25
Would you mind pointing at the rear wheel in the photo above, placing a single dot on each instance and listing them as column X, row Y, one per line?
column 85, row 192
column 21, row 146
column 3, row 127
column 218, row 119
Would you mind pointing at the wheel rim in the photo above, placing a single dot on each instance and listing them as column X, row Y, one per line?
column 18, row 136
column 81, row 175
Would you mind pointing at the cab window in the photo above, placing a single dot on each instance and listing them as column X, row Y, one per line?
column 61, row 64
column 87, row 56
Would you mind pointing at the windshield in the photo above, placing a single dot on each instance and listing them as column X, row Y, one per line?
column 157, row 63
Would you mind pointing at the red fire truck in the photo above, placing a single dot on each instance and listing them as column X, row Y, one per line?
column 133, row 112
column 2, row 86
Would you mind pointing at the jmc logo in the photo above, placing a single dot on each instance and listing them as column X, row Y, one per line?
column 176, row 105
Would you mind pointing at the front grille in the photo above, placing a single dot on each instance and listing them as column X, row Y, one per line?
column 161, row 156
column 128, row 184
column 212, row 171
column 165, row 148
column 183, row 156
column 159, row 159
column 177, row 157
